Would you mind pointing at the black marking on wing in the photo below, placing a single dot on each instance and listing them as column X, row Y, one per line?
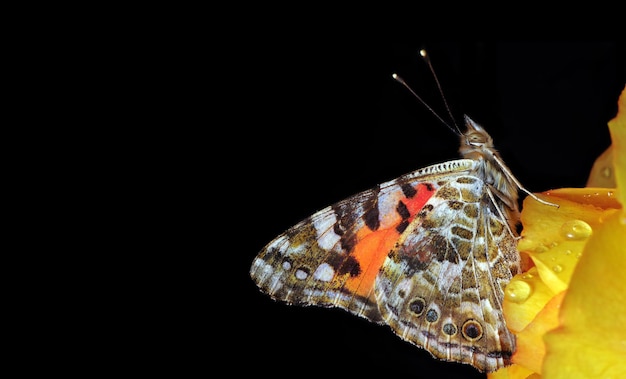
column 404, row 213
column 351, row 266
column 346, row 216
column 402, row 226
column 505, row 354
column 372, row 213
column 337, row 229
column 418, row 253
column 344, row 264
column 350, row 212
column 371, row 218
column 408, row 190
column 402, row 210
column 425, row 210
column 348, row 242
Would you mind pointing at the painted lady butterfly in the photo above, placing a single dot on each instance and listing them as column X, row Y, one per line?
column 428, row 254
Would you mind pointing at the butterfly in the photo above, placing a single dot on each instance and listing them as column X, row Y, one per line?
column 429, row 254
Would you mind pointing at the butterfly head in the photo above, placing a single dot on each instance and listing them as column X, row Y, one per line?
column 476, row 143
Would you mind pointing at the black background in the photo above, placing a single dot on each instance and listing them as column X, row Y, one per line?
column 312, row 120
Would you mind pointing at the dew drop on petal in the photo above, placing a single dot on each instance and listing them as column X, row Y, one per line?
column 518, row 291
column 557, row 268
column 576, row 230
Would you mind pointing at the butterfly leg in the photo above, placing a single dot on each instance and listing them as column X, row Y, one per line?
column 490, row 191
column 509, row 174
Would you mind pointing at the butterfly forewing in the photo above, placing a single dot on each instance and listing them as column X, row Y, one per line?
column 333, row 257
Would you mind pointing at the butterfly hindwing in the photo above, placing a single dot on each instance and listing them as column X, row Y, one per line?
column 442, row 285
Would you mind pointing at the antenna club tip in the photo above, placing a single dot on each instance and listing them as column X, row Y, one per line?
column 394, row 75
column 423, row 53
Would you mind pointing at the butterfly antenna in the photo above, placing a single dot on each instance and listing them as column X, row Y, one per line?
column 401, row 81
column 426, row 58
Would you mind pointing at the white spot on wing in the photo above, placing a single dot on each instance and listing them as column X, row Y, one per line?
column 261, row 271
column 301, row 275
column 302, row 248
column 324, row 273
column 452, row 271
column 281, row 244
column 327, row 239
column 387, row 203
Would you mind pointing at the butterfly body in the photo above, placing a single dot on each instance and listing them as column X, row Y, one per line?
column 428, row 254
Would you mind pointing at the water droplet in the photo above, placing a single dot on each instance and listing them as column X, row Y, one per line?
column 557, row 268
column 527, row 276
column 576, row 230
column 568, row 252
column 518, row 291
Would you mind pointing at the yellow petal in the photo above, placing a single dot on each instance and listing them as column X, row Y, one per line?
column 603, row 172
column 554, row 237
column 524, row 297
column 617, row 128
column 591, row 341
column 513, row 372
column 583, row 240
column 530, row 346
column 597, row 197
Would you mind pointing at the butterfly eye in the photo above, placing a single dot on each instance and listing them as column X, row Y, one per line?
column 476, row 139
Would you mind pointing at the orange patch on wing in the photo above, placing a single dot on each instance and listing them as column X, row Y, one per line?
column 416, row 203
column 371, row 252
column 373, row 247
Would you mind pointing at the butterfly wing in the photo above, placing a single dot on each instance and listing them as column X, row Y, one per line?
column 333, row 257
column 442, row 285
